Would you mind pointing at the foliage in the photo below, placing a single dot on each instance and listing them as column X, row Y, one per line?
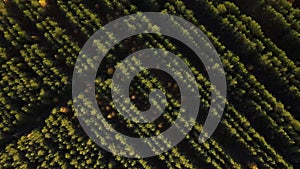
column 40, row 42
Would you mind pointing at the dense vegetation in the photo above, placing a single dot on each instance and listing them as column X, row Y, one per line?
column 258, row 43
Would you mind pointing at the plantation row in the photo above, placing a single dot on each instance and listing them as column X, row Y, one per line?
column 270, row 60
column 286, row 34
column 256, row 96
column 38, row 70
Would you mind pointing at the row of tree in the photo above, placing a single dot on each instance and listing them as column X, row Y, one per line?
column 51, row 146
column 241, row 70
column 286, row 34
column 45, row 24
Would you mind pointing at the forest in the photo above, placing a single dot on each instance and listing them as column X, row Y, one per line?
column 258, row 43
